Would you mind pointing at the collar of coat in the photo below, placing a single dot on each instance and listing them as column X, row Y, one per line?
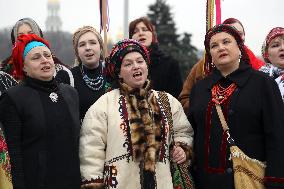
column 239, row 76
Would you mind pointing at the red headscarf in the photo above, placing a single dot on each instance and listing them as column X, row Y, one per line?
column 18, row 50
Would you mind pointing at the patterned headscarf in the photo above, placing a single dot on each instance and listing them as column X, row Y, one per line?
column 275, row 32
column 230, row 30
column 18, row 51
column 79, row 32
column 118, row 52
column 34, row 26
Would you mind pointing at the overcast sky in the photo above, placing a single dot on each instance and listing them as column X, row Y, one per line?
column 257, row 16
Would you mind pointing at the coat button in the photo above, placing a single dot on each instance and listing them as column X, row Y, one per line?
column 229, row 170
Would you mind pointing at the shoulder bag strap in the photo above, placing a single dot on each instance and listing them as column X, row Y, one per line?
column 224, row 124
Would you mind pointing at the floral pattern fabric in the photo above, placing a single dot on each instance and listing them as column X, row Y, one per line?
column 5, row 166
column 277, row 74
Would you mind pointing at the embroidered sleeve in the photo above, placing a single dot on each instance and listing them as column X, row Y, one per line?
column 93, row 144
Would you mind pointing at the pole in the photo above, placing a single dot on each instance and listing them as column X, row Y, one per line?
column 105, row 20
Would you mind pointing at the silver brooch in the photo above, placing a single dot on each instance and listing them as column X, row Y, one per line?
column 53, row 97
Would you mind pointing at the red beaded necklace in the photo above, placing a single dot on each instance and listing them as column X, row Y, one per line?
column 220, row 94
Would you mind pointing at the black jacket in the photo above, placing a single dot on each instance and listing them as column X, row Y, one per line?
column 255, row 116
column 87, row 96
column 42, row 136
column 164, row 72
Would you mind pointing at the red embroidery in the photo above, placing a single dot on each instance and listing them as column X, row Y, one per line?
column 4, row 157
column 273, row 179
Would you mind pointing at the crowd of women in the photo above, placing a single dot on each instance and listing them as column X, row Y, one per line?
column 106, row 122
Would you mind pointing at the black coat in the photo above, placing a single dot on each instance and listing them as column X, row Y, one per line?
column 164, row 72
column 42, row 136
column 87, row 96
column 255, row 116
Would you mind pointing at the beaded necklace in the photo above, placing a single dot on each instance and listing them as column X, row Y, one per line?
column 220, row 94
column 96, row 83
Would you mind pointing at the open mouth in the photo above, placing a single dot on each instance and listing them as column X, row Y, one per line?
column 89, row 55
column 45, row 68
column 137, row 74
column 223, row 55
column 281, row 56
column 142, row 40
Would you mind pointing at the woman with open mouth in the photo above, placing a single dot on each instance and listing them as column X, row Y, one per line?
column 273, row 54
column 28, row 26
column 87, row 77
column 125, row 138
column 41, row 121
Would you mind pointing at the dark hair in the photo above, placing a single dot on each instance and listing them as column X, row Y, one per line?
column 147, row 23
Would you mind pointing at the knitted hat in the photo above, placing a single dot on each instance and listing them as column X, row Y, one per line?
column 19, row 50
column 230, row 30
column 275, row 32
column 119, row 50
column 147, row 23
column 79, row 32
column 34, row 26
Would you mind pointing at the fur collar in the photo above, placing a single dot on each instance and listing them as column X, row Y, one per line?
column 145, row 122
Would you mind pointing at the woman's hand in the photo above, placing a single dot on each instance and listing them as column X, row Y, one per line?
column 178, row 155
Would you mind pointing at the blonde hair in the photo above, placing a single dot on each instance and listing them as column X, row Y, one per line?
column 76, row 36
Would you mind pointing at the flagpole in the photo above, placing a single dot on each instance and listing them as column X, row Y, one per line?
column 104, row 15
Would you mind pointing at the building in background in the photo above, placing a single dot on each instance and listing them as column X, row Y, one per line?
column 53, row 21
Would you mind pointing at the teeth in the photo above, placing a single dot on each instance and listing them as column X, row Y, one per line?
column 137, row 74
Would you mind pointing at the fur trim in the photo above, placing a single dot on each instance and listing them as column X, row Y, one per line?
column 237, row 153
column 93, row 186
column 145, row 124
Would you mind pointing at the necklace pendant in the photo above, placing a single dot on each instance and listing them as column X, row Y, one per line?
column 220, row 97
column 53, row 97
